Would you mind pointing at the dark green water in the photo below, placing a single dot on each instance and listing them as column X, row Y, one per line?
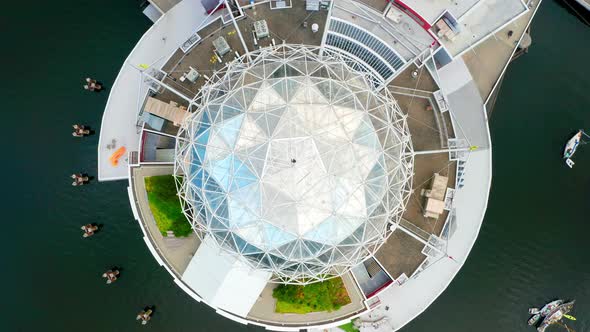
column 532, row 247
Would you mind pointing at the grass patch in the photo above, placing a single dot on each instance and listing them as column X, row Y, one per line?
column 165, row 205
column 328, row 295
column 348, row 327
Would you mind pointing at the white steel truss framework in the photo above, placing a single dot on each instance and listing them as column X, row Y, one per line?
column 295, row 162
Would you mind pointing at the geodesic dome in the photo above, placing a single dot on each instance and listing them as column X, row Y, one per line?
column 294, row 162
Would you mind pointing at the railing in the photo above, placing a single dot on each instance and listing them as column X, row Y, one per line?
column 363, row 45
column 419, row 232
column 368, row 40
column 360, row 51
column 133, row 158
column 443, row 131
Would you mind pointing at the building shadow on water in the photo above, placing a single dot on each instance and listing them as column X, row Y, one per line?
column 576, row 9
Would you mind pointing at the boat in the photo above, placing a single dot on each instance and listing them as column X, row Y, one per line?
column 543, row 312
column 144, row 316
column 550, row 307
column 572, row 145
column 584, row 3
column 533, row 320
column 555, row 315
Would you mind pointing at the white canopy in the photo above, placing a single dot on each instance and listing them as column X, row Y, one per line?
column 222, row 280
column 165, row 111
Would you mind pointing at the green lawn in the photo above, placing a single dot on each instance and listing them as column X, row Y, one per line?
column 348, row 327
column 165, row 205
column 328, row 295
column 285, row 307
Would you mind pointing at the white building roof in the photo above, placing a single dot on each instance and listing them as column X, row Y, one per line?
column 430, row 10
column 223, row 281
column 465, row 103
column 486, row 17
column 119, row 121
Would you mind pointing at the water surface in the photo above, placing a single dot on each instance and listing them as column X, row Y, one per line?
column 532, row 246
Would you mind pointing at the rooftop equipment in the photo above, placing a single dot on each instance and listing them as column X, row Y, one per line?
column 192, row 75
column 280, row 4
column 315, row 28
column 221, row 46
column 261, row 29
column 313, row 5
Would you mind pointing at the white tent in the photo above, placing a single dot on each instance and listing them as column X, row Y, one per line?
column 222, row 280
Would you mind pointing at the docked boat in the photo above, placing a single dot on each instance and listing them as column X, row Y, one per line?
column 533, row 320
column 145, row 315
column 556, row 315
column 550, row 307
column 543, row 312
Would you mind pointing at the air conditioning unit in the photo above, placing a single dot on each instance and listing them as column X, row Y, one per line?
column 261, row 29
column 313, row 5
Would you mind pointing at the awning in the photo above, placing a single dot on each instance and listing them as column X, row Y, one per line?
column 166, row 111
column 224, row 281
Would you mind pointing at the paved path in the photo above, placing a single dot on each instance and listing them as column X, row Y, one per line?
column 177, row 251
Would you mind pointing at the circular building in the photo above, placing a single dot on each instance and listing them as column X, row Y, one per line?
column 294, row 162
column 272, row 127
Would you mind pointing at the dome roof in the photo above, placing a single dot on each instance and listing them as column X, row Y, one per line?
column 296, row 163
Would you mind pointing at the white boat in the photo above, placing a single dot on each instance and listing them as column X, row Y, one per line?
column 572, row 145
column 549, row 307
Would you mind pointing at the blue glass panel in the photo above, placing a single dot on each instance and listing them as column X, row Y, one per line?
column 213, row 112
column 244, row 246
column 242, row 175
column 221, row 170
column 213, row 199
column 211, row 185
column 376, row 182
column 276, row 260
column 239, row 215
column 276, row 237
column 365, row 134
column 314, row 247
column 222, row 210
column 203, row 139
column 199, row 176
column 230, row 130
column 377, row 171
column 203, row 123
column 198, row 154
column 229, row 112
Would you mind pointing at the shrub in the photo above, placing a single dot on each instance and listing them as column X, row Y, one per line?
column 328, row 295
column 165, row 205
